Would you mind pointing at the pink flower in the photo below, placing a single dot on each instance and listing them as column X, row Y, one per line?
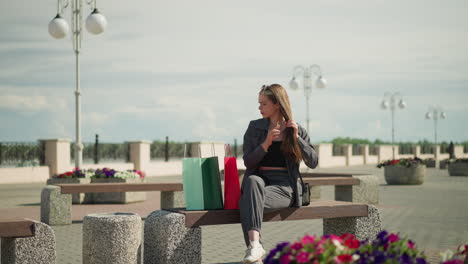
column 285, row 259
column 303, row 257
column 393, row 238
column 308, row 239
column 297, row 246
column 410, row 244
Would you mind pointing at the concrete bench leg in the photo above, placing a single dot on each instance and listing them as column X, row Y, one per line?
column 315, row 192
column 172, row 200
column 55, row 207
column 366, row 192
column 38, row 249
column 167, row 240
column 362, row 227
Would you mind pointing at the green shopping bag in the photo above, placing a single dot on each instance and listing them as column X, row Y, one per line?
column 202, row 183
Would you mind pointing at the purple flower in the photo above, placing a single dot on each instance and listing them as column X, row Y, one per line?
column 382, row 235
column 405, row 259
column 269, row 259
column 421, row 261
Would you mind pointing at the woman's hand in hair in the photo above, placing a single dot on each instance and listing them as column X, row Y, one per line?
column 273, row 133
column 293, row 124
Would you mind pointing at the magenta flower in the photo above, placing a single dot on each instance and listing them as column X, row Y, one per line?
column 336, row 238
column 410, row 244
column 393, row 238
column 297, row 246
column 285, row 259
column 303, row 257
column 307, row 239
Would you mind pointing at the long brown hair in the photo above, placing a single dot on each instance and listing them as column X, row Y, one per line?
column 277, row 94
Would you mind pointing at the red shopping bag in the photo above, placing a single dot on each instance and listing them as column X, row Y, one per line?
column 231, row 181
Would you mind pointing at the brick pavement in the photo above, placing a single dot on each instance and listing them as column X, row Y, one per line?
column 434, row 215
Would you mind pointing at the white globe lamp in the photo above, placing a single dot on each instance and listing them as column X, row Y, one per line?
column 58, row 27
column 96, row 23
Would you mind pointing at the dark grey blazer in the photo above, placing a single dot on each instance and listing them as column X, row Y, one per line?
column 253, row 153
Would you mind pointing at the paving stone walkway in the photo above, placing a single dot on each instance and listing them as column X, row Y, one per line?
column 434, row 215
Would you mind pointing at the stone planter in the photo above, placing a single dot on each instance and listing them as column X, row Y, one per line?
column 430, row 163
column 413, row 175
column 118, row 197
column 443, row 164
column 77, row 198
column 458, row 169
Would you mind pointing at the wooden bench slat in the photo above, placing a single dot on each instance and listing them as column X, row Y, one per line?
column 316, row 210
column 143, row 187
column 332, row 181
column 16, row 228
column 118, row 187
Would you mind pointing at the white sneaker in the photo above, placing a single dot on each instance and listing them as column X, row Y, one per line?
column 253, row 255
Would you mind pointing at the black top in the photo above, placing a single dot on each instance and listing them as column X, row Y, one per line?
column 274, row 157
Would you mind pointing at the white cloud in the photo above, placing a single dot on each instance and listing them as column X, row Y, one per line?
column 28, row 104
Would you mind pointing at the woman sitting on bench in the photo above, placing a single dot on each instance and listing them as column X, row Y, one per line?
column 273, row 148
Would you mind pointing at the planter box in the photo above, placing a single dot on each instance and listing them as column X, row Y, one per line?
column 443, row 165
column 430, row 163
column 403, row 175
column 118, row 197
column 77, row 198
column 458, row 169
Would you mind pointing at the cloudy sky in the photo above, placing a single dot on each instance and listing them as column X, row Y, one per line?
column 191, row 70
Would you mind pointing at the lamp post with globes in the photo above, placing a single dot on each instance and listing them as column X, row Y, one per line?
column 58, row 28
column 390, row 102
column 435, row 113
column 307, row 72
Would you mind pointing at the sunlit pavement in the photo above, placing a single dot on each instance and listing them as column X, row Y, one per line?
column 434, row 215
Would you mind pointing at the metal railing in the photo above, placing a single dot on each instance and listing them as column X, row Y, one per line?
column 21, row 154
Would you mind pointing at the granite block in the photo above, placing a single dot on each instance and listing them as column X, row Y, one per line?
column 167, row 240
column 111, row 238
column 366, row 192
column 77, row 198
column 172, row 200
column 362, row 227
column 39, row 249
column 55, row 207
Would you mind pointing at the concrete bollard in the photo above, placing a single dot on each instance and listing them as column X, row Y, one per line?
column 112, row 238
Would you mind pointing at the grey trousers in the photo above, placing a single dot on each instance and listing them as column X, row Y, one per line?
column 268, row 190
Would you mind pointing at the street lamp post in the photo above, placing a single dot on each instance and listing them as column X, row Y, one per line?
column 434, row 113
column 58, row 28
column 307, row 72
column 390, row 102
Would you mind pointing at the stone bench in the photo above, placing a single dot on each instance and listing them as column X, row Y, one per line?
column 56, row 200
column 174, row 236
column 358, row 188
column 27, row 241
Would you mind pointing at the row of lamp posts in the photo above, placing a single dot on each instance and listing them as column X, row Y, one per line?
column 391, row 101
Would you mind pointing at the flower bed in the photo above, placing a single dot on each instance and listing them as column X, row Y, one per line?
column 385, row 248
column 105, row 175
column 404, row 171
column 458, row 167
